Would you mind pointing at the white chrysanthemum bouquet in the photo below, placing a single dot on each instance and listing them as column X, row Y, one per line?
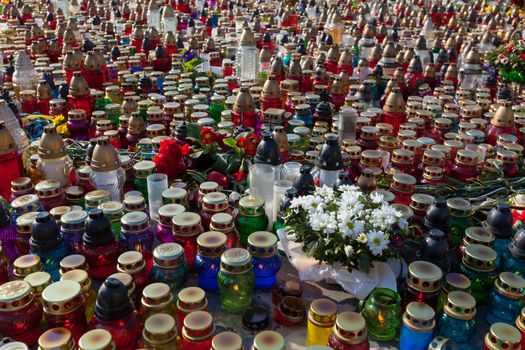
column 345, row 226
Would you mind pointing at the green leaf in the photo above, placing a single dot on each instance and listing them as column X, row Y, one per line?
column 194, row 131
column 197, row 154
column 364, row 263
column 230, row 142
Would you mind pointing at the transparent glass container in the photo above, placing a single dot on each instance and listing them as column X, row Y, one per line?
column 457, row 318
column 506, row 299
column 169, row 266
column 236, row 280
column 382, row 312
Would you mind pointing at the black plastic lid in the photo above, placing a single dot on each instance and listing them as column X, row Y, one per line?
column 517, row 245
column 89, row 150
column 304, row 183
column 146, row 44
column 268, row 150
column 330, row 156
column 113, row 301
column 45, row 233
column 160, row 52
column 98, row 230
column 438, row 216
column 115, row 52
column 499, row 221
column 63, row 91
column 87, row 45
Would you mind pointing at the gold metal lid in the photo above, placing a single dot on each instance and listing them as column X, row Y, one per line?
column 456, row 281
column 143, row 169
column 131, row 262
column 48, row 189
column 467, row 157
column 268, row 340
column 478, row 235
column 56, row 339
column 211, row 243
column 62, row 297
column 15, row 295
column 510, row 285
column 186, row 223
column 502, row 336
column 479, row 257
column 504, row 116
column 459, row 207
column 208, row 186
column 168, row 211
column 191, row 299
column 73, row 262
column 39, row 281
column 323, row 312
column 419, row 316
column 79, row 276
column 21, row 185
column 226, row 341
column 159, row 329
column 198, row 325
column 168, row 255
column 420, row 201
column 350, row 327
column 460, row 305
column 27, row 264
column 96, row 339
column 424, row 276
column 236, row 261
column 135, row 222
column 262, row 244
column 156, row 296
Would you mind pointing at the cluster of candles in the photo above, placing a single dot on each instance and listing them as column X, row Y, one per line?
column 378, row 95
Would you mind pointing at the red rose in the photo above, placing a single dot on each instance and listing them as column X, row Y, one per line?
column 219, row 178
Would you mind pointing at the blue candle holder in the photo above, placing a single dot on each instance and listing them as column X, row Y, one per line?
column 506, row 299
column 457, row 318
column 417, row 328
column 210, row 246
column 265, row 258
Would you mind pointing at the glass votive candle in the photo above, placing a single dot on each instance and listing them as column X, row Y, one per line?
column 321, row 319
column 56, row 338
column 236, row 280
column 133, row 264
column 160, row 332
column 382, row 312
column 89, row 296
column 169, row 266
column 453, row 281
column 96, row 339
column 186, row 228
column 418, row 327
column 166, row 213
column 38, row 281
column 72, row 229
column 64, row 307
column 223, row 222
column 210, row 245
column 423, row 283
column 198, row 330
column 227, row 341
column 520, row 324
column 136, row 234
column 349, row 332
column 268, row 340
column 25, row 265
column 251, row 217
column 190, row 299
column 73, row 262
column 175, row 195
column 23, row 227
column 266, row 260
column 113, row 210
column 457, row 318
column 20, row 313
column 290, row 312
column 479, row 265
column 502, row 336
column 156, row 299
column 506, row 298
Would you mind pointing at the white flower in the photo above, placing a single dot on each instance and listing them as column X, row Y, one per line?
column 325, row 222
column 349, row 250
column 325, row 192
column 362, row 238
column 377, row 242
column 377, row 197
